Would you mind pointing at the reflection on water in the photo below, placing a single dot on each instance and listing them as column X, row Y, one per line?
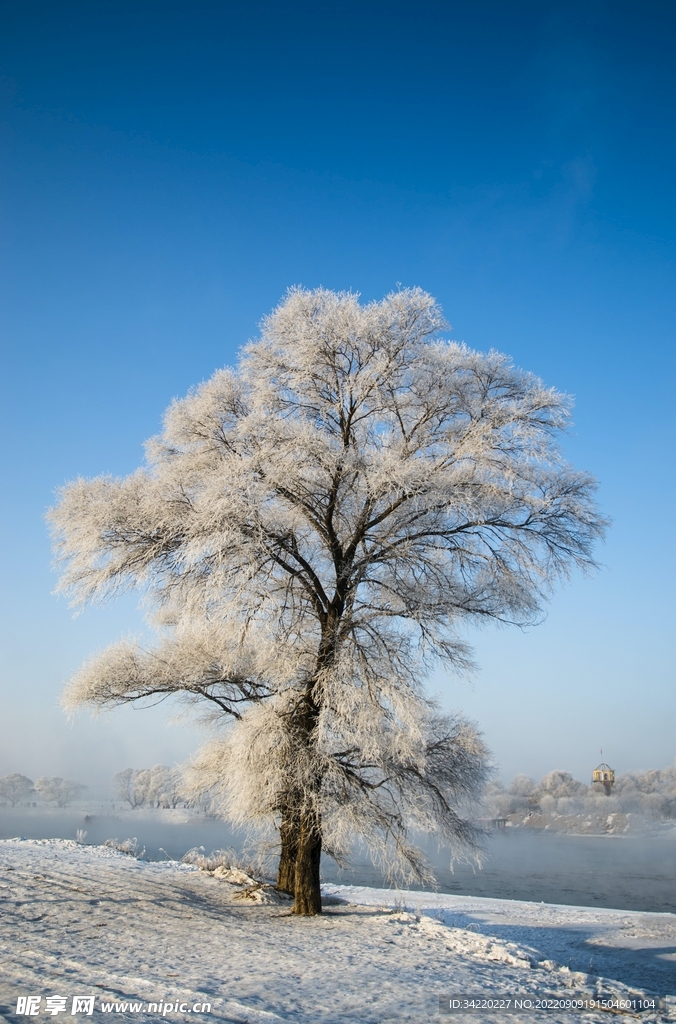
column 594, row 871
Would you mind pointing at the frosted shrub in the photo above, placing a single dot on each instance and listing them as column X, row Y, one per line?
column 128, row 846
column 227, row 859
column 548, row 804
column 217, row 858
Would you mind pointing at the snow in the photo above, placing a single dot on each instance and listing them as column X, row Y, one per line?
column 84, row 920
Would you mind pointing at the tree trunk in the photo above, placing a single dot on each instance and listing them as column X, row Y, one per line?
column 288, row 835
column 305, row 819
column 307, row 893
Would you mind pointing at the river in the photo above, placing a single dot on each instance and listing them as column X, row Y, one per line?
column 627, row 873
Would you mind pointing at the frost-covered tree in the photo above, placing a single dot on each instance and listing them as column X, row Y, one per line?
column 157, row 787
column 16, row 787
column 559, row 784
column 522, row 786
column 311, row 531
column 58, row 790
column 132, row 785
column 165, row 786
column 124, row 786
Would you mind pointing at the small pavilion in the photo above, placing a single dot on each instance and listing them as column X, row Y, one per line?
column 605, row 775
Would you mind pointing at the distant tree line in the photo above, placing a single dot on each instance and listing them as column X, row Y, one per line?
column 19, row 788
column 559, row 800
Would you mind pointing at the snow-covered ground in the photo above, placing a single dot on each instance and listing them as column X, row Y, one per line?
column 88, row 921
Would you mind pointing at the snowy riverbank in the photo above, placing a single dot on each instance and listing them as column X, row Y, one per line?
column 80, row 921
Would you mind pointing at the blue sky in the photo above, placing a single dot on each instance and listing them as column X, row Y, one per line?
column 169, row 169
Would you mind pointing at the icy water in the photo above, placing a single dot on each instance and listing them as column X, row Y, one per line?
column 637, row 873
column 628, row 873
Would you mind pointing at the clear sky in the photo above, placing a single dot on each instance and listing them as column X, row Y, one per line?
column 168, row 169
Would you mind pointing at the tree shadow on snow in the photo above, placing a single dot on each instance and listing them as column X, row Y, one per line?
column 582, row 949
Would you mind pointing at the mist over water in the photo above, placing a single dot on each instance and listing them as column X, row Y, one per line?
column 622, row 872
column 637, row 873
column 163, row 834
